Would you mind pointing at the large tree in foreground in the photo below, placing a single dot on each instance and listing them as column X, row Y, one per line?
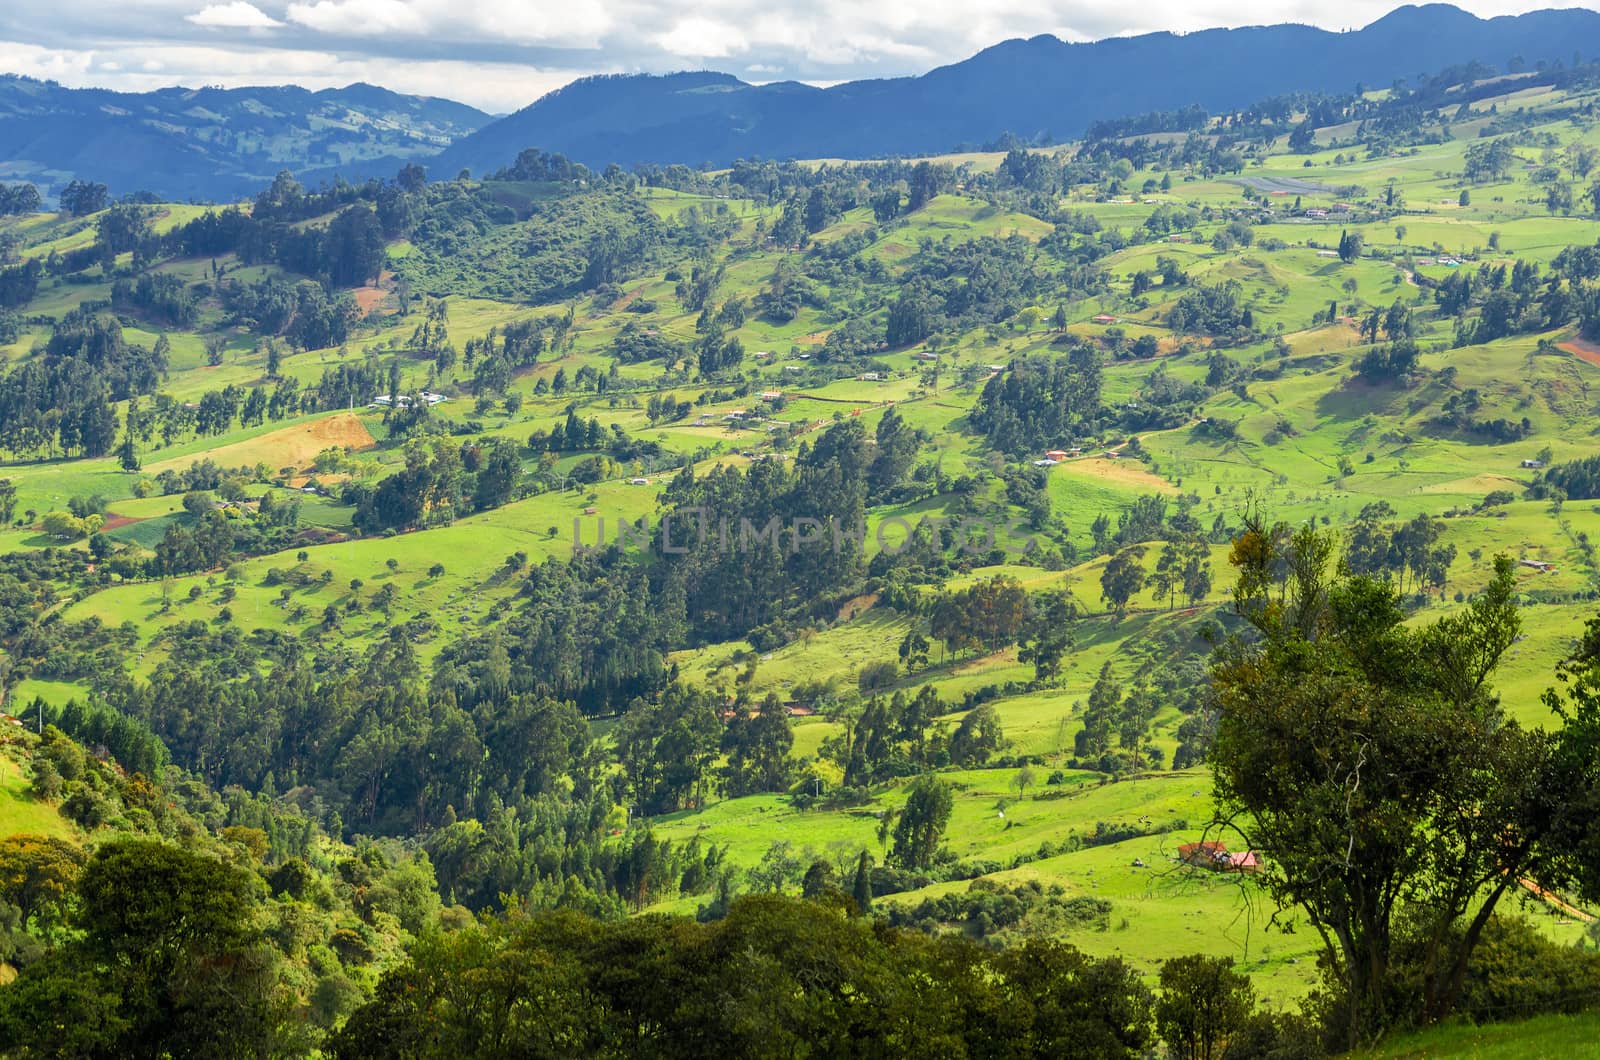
column 1370, row 763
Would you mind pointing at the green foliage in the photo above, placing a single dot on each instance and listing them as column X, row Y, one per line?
column 1041, row 402
column 922, row 822
column 1204, row 1005
column 774, row 975
column 1375, row 767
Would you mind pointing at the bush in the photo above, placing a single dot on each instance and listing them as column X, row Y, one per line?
column 1514, row 973
column 878, row 675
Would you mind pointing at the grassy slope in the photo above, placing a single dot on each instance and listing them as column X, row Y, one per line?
column 1543, row 1036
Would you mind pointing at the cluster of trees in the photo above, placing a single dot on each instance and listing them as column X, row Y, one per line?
column 776, row 975
column 305, row 313
column 347, row 251
column 201, row 923
column 1490, row 160
column 82, row 197
column 19, row 283
column 435, row 485
column 1110, row 712
column 1492, row 302
column 895, row 736
column 494, row 241
column 991, row 912
column 63, row 400
column 499, row 354
column 18, row 199
column 1041, row 402
column 1381, row 549
column 160, row 297
column 1219, row 311
column 957, row 286
column 1372, row 765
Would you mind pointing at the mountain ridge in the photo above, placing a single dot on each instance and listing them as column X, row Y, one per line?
column 1037, row 87
column 214, row 143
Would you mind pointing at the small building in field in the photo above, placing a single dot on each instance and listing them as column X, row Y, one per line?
column 638, row 482
column 1533, row 465
column 1105, row 318
column 1247, row 862
column 1203, row 853
column 869, row 377
column 1056, row 454
column 1214, row 855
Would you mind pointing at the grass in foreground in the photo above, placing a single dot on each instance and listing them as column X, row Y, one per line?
column 1543, row 1036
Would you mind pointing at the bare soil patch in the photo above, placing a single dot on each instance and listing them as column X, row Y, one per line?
column 1583, row 350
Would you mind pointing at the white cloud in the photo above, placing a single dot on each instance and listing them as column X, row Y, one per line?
column 578, row 22
column 47, row 64
column 702, row 38
column 235, row 15
column 358, row 18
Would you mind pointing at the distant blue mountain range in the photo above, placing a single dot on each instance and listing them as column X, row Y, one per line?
column 1041, row 87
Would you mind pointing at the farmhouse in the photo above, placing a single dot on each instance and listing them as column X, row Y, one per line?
column 1047, row 462
column 925, row 355
column 1214, row 855
column 404, row 400
column 1056, row 454
column 638, row 482
column 1538, row 565
column 1533, row 465
column 869, row 377
column 1203, row 853
column 1105, row 318
column 771, row 395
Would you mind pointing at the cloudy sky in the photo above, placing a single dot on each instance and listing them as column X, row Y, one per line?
column 502, row 54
